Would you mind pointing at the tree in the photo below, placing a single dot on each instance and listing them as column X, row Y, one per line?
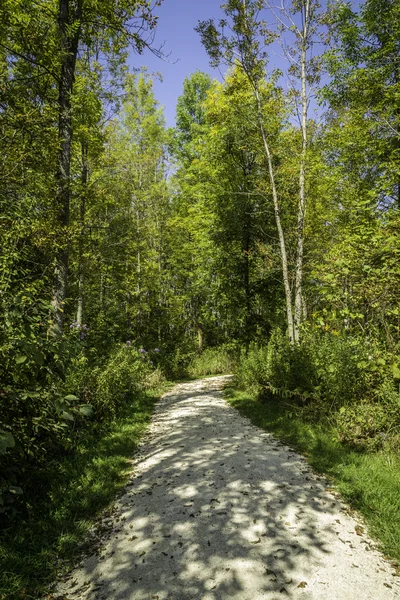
column 304, row 67
column 190, row 114
column 126, row 218
column 245, row 48
column 125, row 24
column 364, row 87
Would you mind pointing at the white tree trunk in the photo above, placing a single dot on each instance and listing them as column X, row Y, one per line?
column 277, row 212
column 298, row 314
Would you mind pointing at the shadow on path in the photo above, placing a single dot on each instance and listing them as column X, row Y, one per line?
column 218, row 510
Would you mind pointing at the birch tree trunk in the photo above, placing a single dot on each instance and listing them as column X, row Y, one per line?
column 277, row 212
column 298, row 313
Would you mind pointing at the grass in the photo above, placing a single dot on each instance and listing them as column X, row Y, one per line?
column 65, row 499
column 369, row 482
column 212, row 361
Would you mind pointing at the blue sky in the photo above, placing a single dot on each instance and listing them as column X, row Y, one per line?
column 177, row 19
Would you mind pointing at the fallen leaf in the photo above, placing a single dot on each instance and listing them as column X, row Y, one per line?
column 302, row 584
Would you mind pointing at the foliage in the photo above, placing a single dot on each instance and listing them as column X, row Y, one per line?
column 342, row 380
column 160, row 252
column 276, row 366
column 370, row 425
column 219, row 208
column 66, row 495
column 127, row 373
column 36, row 416
column 213, row 361
column 53, row 217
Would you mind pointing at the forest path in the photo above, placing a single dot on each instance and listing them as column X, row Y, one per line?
column 217, row 509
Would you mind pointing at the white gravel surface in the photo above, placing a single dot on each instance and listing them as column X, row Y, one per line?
column 217, row 509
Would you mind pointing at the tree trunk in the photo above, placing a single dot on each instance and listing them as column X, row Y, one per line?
column 281, row 237
column 69, row 40
column 84, row 180
column 246, row 275
column 298, row 303
column 200, row 341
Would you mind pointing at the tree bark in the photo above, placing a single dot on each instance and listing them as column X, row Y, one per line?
column 84, row 180
column 277, row 212
column 298, row 303
column 69, row 34
column 246, row 274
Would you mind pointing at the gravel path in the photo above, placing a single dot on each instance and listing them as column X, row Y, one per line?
column 217, row 509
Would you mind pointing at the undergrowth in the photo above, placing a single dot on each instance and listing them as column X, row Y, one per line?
column 213, row 361
column 65, row 497
column 345, row 381
column 368, row 481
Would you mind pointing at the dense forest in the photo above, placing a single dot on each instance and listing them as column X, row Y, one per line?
column 252, row 236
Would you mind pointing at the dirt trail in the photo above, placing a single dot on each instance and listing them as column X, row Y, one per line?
column 217, row 509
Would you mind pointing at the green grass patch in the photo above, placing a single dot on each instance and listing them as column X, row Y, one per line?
column 369, row 482
column 64, row 499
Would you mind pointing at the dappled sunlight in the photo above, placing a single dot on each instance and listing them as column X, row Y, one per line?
column 218, row 510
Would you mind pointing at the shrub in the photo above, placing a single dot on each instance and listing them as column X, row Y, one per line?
column 252, row 368
column 43, row 417
column 346, row 380
column 276, row 366
column 366, row 424
column 35, row 417
column 127, row 372
column 213, row 361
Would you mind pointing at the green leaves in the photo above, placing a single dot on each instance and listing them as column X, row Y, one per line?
column 68, row 408
column 396, row 370
column 70, row 398
column 86, row 410
column 67, row 416
column 6, row 441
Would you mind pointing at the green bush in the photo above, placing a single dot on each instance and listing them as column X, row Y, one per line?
column 212, row 361
column 176, row 362
column 35, row 415
column 366, row 425
column 43, row 416
column 252, row 371
column 128, row 371
column 276, row 366
column 342, row 366
column 352, row 382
